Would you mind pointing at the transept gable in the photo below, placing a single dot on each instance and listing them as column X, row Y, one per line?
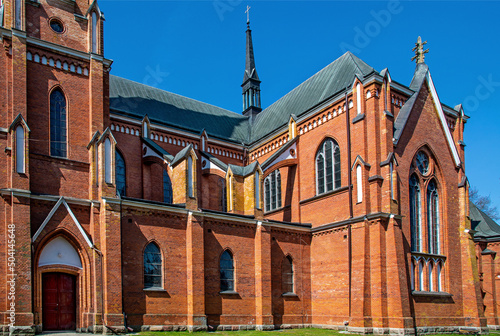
column 422, row 83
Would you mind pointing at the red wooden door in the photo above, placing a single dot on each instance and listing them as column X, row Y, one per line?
column 58, row 297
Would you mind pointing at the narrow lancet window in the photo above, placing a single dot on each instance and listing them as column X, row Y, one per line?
column 58, row 134
column 20, row 150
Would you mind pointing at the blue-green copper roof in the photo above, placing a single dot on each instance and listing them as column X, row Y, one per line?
column 326, row 83
column 165, row 108
column 136, row 100
column 483, row 224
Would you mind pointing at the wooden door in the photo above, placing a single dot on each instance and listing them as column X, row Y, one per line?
column 58, row 301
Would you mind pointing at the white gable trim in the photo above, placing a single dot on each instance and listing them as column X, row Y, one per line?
column 210, row 165
column 439, row 108
column 52, row 212
column 284, row 156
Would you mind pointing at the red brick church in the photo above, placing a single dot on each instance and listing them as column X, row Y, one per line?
column 343, row 205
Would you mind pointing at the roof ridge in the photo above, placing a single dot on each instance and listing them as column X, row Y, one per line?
column 355, row 60
column 178, row 95
column 302, row 83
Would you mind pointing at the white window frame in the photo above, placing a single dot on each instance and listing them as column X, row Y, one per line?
column 20, row 150
column 108, row 176
column 359, row 182
column 358, row 98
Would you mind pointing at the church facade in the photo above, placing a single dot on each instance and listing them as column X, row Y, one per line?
column 342, row 205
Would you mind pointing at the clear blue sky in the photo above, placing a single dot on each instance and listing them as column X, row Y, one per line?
column 197, row 49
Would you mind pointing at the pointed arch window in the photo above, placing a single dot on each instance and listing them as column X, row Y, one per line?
column 94, row 32
column 226, row 271
column 190, row 177
column 415, row 210
column 327, row 167
column 359, row 182
column 221, row 183
column 20, row 150
column 433, row 217
column 152, row 266
column 107, row 161
column 272, row 191
column 167, row 188
column 120, row 174
column 257, row 189
column 287, row 275
column 58, row 128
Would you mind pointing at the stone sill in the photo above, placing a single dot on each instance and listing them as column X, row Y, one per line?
column 154, row 289
column 289, row 295
column 229, row 292
column 431, row 294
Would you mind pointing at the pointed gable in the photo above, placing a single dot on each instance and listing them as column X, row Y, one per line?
column 422, row 76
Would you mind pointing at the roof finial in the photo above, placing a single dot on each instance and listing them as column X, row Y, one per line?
column 248, row 15
column 419, row 51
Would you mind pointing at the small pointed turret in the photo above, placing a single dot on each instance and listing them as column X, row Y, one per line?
column 251, row 81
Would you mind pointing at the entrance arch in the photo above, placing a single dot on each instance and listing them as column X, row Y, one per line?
column 62, row 265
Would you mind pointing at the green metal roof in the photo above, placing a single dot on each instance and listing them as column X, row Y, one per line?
column 326, row 83
column 136, row 100
column 483, row 224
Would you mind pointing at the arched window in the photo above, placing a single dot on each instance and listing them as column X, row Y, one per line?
column 221, row 183
column 431, row 282
column 120, row 174
column 415, row 210
column 433, row 217
column 257, row 189
column 438, row 276
column 190, row 176
column 272, row 190
column 94, row 33
column 421, row 275
column 20, row 150
column 226, row 272
column 358, row 98
column 327, row 167
column 359, row 182
column 152, row 266
column 287, row 274
column 58, row 135
column 167, row 188
column 107, row 161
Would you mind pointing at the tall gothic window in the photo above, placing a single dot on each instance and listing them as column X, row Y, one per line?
column 152, row 266
column 221, row 183
column 58, row 134
column 120, row 174
column 327, row 167
column 226, row 272
column 167, row 188
column 272, row 191
column 433, row 217
column 257, row 189
column 287, row 275
column 190, row 176
column 107, row 161
column 94, row 33
column 20, row 150
column 415, row 210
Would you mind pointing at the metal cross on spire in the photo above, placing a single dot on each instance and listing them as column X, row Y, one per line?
column 419, row 51
column 248, row 14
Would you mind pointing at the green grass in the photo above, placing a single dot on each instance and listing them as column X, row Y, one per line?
column 292, row 332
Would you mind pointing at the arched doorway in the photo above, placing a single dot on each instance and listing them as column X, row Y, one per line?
column 59, row 301
column 59, row 284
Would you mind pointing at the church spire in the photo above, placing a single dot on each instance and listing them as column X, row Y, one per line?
column 251, row 82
